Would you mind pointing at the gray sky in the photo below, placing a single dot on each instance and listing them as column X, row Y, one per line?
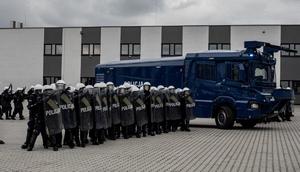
column 148, row 12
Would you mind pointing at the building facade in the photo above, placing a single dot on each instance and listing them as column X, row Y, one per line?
column 45, row 55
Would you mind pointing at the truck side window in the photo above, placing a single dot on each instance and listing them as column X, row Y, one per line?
column 206, row 71
column 236, row 72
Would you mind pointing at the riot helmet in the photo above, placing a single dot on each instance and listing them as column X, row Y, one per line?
column 171, row 89
column 60, row 85
column 147, row 86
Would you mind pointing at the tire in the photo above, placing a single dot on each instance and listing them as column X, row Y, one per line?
column 224, row 117
column 248, row 124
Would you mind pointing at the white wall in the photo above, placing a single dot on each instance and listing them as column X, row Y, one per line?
column 150, row 42
column 71, row 55
column 194, row 39
column 271, row 34
column 110, row 44
column 21, row 56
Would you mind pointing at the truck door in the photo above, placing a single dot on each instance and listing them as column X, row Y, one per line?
column 201, row 79
column 236, row 80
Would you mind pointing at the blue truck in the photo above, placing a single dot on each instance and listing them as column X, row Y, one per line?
column 229, row 86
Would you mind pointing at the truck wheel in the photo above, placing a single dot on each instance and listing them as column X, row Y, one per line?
column 248, row 124
column 224, row 118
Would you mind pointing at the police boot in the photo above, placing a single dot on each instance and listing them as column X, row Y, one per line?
column 187, row 126
column 125, row 132
column 28, row 136
column 7, row 116
column 2, row 142
column 138, row 132
column 118, row 132
column 70, row 140
column 21, row 117
column 32, row 140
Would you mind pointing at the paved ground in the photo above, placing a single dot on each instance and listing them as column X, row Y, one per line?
column 267, row 147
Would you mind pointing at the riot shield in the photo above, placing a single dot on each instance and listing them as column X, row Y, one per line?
column 100, row 117
column 85, row 112
column 115, row 109
column 127, row 113
column 173, row 107
column 140, row 110
column 159, row 108
column 68, row 110
column 189, row 108
column 52, row 112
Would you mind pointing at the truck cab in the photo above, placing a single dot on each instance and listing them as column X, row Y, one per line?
column 236, row 86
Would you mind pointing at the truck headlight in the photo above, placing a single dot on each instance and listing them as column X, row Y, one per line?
column 254, row 106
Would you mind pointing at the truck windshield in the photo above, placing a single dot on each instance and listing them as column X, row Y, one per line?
column 261, row 73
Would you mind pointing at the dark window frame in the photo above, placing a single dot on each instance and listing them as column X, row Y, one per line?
column 219, row 46
column 171, row 54
column 290, row 46
column 132, row 50
column 89, row 46
column 53, row 49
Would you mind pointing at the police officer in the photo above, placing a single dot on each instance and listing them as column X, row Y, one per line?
column 6, row 97
column 152, row 118
column 18, row 99
column 77, row 93
column 53, row 116
column 173, row 108
column 85, row 112
column 162, row 92
column 100, row 111
column 127, row 113
column 187, row 104
column 36, row 108
column 30, row 125
column 67, row 110
column 158, row 110
column 146, row 87
column 140, row 113
column 114, row 111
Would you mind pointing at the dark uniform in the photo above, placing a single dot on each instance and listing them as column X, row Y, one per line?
column 114, row 111
column 53, row 117
column 6, row 98
column 68, row 116
column 30, row 125
column 187, row 106
column 18, row 99
column 36, row 108
column 158, row 111
column 140, row 113
column 85, row 115
column 127, row 113
column 173, row 110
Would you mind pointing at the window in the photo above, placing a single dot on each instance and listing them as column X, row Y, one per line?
column 87, row 80
column 293, row 46
column 219, row 46
column 90, row 49
column 236, row 72
column 206, row 71
column 47, row 80
column 52, row 49
column 58, row 49
column 171, row 49
column 130, row 49
column 296, row 87
column 48, row 49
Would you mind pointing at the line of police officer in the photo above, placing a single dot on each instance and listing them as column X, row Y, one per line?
column 5, row 103
column 104, row 112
